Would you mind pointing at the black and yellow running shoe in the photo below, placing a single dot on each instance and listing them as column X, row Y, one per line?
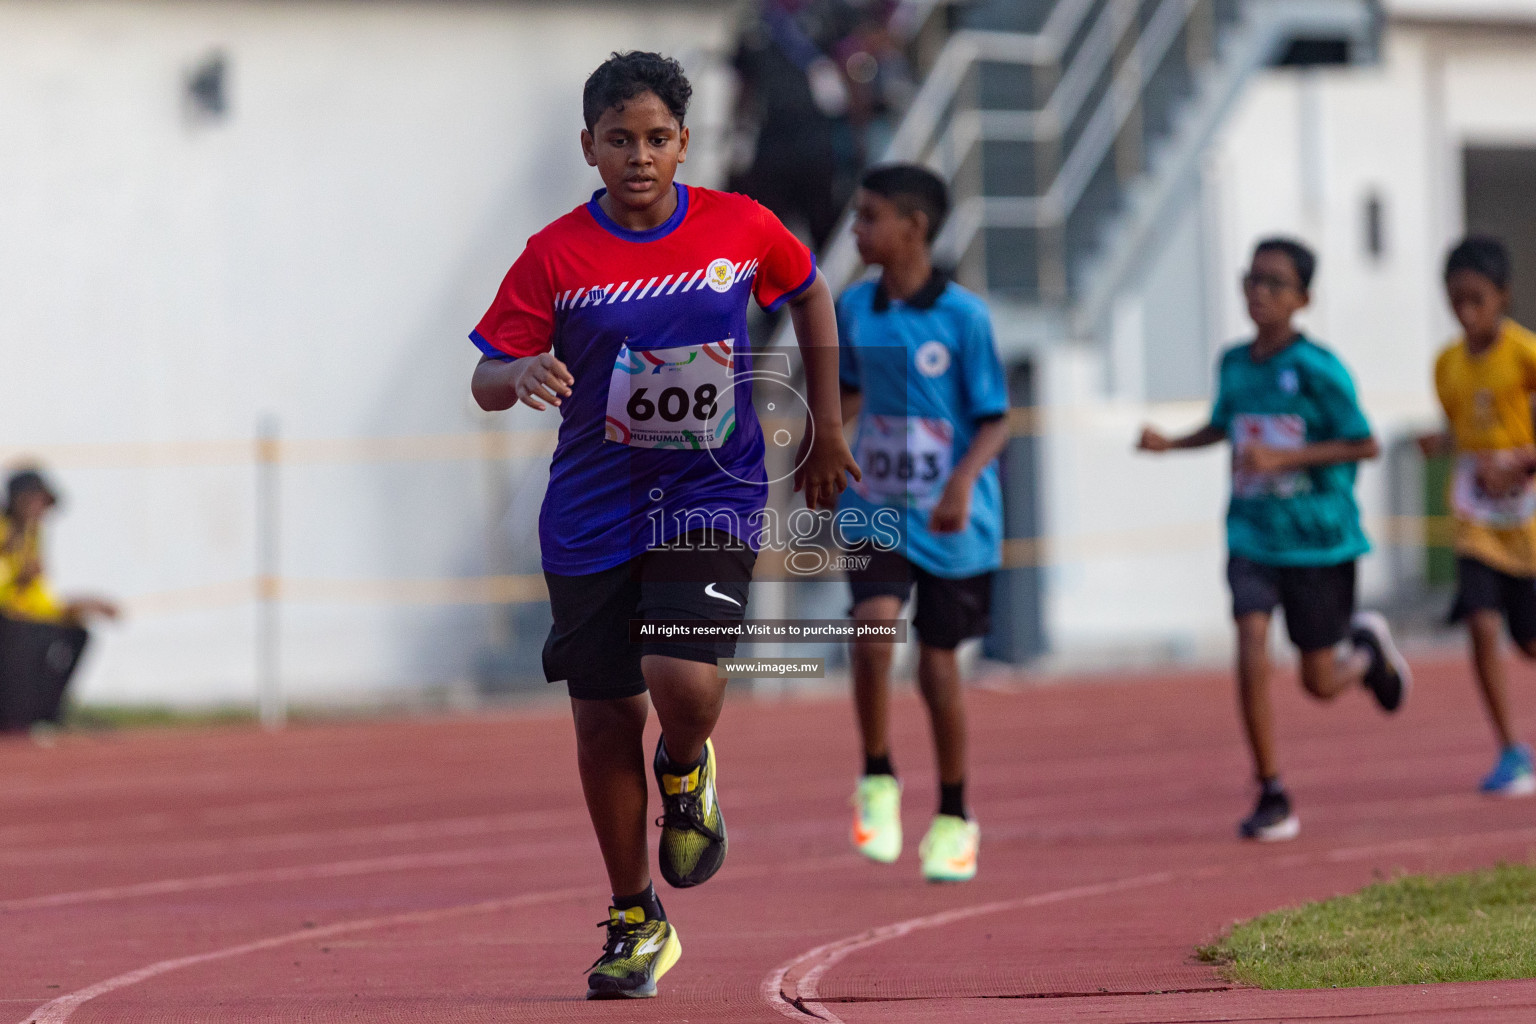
column 693, row 839
column 635, row 956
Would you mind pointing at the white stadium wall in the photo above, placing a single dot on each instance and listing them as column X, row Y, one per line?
column 317, row 255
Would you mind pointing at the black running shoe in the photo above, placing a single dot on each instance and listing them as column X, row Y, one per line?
column 693, row 841
column 1387, row 677
column 638, row 951
column 1271, row 820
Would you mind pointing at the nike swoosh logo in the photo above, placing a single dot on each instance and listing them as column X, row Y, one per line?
column 712, row 592
column 862, row 835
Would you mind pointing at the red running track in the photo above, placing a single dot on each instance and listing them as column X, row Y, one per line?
column 443, row 869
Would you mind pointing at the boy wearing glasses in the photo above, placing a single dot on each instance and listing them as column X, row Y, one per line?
column 1293, row 529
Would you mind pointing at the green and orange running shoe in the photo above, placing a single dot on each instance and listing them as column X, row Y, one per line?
column 693, row 841
column 877, row 818
column 949, row 849
column 636, row 954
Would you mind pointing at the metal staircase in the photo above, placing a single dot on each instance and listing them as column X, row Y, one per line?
column 1068, row 129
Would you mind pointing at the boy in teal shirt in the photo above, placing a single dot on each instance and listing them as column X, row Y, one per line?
column 1293, row 529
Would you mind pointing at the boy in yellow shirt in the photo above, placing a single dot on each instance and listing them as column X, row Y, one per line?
column 1486, row 381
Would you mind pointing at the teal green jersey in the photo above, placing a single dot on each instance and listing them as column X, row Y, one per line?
column 1301, row 395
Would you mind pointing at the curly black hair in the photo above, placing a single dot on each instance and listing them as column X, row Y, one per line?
column 1483, row 255
column 623, row 76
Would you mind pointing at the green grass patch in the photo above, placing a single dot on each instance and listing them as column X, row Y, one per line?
column 1479, row 926
column 101, row 717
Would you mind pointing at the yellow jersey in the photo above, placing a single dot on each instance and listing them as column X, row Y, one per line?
column 1487, row 401
column 24, row 592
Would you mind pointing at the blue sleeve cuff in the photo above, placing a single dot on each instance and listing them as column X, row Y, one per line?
column 486, row 348
column 795, row 292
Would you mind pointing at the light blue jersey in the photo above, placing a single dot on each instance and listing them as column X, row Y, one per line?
column 929, row 375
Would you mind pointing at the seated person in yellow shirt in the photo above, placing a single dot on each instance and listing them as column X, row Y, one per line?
column 1486, row 380
column 24, row 589
column 41, row 636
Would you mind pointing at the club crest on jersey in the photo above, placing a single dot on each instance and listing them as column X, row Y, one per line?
column 720, row 274
column 932, row 358
column 1289, row 383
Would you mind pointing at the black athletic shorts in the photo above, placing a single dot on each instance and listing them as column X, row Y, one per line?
column 701, row 576
column 948, row 610
column 1319, row 600
column 1481, row 587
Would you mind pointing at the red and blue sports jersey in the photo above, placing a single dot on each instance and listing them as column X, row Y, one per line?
column 625, row 311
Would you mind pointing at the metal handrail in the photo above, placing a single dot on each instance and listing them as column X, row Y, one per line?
column 1059, row 200
column 943, row 138
column 915, row 140
column 918, row 138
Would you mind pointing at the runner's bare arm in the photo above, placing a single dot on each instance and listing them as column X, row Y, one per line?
column 532, row 380
column 1506, row 471
column 1439, row 443
column 1153, row 440
column 823, row 462
column 1259, row 458
column 953, row 511
column 852, row 402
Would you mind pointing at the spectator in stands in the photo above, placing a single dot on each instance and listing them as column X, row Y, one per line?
column 796, row 97
column 822, row 83
column 41, row 635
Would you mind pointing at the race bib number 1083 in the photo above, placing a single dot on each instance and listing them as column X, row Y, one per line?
column 672, row 397
column 905, row 460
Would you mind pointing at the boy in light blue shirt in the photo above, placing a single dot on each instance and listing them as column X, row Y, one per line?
column 921, row 373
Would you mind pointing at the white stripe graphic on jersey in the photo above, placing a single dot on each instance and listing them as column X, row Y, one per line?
column 640, row 288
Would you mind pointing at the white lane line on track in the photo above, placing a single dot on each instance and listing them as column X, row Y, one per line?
column 802, row 1005
column 300, row 873
column 82, row 827
column 286, row 842
column 58, row 1010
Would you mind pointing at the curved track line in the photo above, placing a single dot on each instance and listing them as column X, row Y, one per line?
column 58, row 1010
column 816, row 962
column 824, row 957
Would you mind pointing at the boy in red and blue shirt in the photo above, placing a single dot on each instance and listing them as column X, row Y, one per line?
column 629, row 315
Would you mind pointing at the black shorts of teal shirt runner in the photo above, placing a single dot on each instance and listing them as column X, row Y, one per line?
column 1481, row 587
column 1319, row 600
column 948, row 611
column 703, row 575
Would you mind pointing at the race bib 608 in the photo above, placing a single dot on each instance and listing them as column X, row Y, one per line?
column 672, row 397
